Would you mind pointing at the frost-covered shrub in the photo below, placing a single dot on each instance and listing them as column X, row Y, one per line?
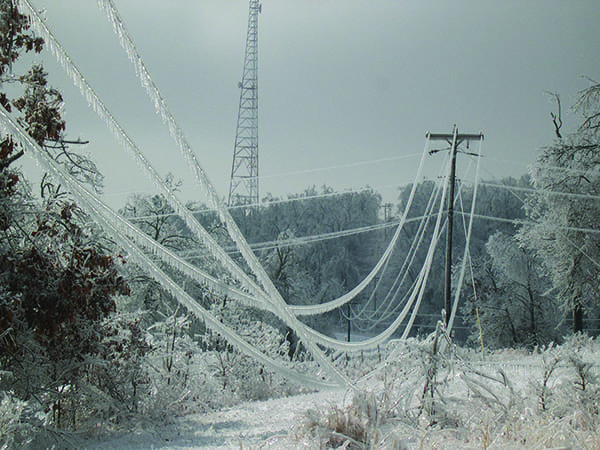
column 10, row 420
column 117, row 377
column 340, row 426
column 580, row 386
column 507, row 399
column 238, row 374
column 179, row 381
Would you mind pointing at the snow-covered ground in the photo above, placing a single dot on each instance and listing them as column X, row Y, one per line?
column 507, row 400
column 261, row 424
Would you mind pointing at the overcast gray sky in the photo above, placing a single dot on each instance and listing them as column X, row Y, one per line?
column 340, row 81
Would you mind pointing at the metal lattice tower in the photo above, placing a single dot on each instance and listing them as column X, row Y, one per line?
column 243, row 187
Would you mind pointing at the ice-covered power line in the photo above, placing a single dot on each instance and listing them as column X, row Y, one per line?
column 266, row 292
column 341, row 166
column 183, row 145
column 528, row 222
column 533, row 190
column 386, row 315
column 329, row 306
column 377, row 316
column 301, row 196
column 273, row 296
column 272, row 202
column 309, row 339
column 391, row 304
column 310, row 239
column 130, row 146
column 176, row 132
column 235, row 234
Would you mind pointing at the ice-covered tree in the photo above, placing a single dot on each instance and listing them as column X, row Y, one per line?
column 153, row 215
column 15, row 37
column 566, row 209
column 506, row 297
column 57, row 282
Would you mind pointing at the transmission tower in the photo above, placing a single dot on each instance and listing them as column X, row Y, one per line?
column 243, row 186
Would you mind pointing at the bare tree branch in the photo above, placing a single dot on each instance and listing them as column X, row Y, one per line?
column 556, row 118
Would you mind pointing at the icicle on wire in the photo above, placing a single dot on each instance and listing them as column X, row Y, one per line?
column 185, row 148
column 100, row 108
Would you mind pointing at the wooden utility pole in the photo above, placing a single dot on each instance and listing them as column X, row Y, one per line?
column 349, row 323
column 455, row 140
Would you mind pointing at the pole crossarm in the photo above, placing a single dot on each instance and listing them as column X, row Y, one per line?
column 460, row 137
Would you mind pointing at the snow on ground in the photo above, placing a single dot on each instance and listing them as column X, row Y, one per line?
column 492, row 402
column 265, row 424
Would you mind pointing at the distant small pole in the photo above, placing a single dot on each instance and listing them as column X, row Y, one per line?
column 387, row 212
column 375, row 293
column 480, row 330
column 349, row 326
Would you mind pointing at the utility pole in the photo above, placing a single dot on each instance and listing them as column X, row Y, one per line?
column 349, row 321
column 455, row 139
column 387, row 216
column 243, row 186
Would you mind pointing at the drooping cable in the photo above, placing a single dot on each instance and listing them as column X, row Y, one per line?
column 414, row 301
column 375, row 317
column 176, row 132
column 331, row 305
column 470, row 260
column 273, row 294
column 152, row 90
column 467, row 244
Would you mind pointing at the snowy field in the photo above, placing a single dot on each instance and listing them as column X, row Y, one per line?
column 547, row 399
column 266, row 424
